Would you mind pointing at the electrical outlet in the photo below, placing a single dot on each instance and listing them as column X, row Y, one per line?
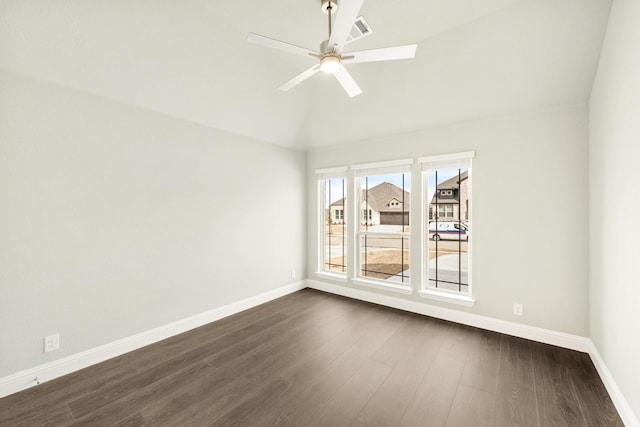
column 51, row 342
column 517, row 309
column 293, row 274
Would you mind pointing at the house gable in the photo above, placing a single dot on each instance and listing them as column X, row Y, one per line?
column 449, row 190
column 382, row 195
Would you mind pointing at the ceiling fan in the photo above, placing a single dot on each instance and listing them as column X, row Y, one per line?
column 332, row 56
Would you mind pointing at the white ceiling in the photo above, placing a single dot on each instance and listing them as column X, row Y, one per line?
column 189, row 59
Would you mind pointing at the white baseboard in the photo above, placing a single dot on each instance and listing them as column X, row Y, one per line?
column 25, row 379
column 622, row 405
column 560, row 339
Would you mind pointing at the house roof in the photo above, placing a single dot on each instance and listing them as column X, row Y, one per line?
column 451, row 183
column 475, row 60
column 381, row 195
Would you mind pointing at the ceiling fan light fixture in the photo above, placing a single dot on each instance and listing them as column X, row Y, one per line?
column 330, row 64
column 328, row 59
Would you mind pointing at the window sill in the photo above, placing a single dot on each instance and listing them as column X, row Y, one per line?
column 336, row 277
column 466, row 300
column 384, row 286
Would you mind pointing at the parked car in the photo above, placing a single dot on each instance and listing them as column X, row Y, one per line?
column 448, row 230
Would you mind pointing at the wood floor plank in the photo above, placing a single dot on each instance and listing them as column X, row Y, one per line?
column 259, row 406
column 402, row 344
column 471, row 407
column 306, row 368
column 515, row 402
column 135, row 420
column 312, row 358
column 231, row 328
column 80, row 407
column 157, row 354
column 58, row 415
column 353, row 343
column 557, row 402
column 595, row 403
column 212, row 396
column 320, row 387
column 240, row 324
column 308, row 403
column 39, row 403
column 481, row 368
column 120, row 409
column 415, row 354
column 476, row 392
column 345, row 405
column 431, row 403
column 105, row 407
column 377, row 332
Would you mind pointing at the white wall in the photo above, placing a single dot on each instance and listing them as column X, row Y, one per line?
column 116, row 220
column 615, row 201
column 523, row 164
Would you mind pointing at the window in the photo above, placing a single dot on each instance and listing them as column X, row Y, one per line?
column 367, row 216
column 332, row 186
column 447, row 242
column 383, row 234
column 445, row 211
column 366, row 237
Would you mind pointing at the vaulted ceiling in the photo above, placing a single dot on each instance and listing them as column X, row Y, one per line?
column 190, row 59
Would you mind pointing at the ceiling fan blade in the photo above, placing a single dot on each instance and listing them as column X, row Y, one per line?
column 300, row 78
column 347, row 82
column 347, row 14
column 383, row 54
column 280, row 45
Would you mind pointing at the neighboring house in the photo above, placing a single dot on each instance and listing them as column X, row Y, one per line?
column 383, row 204
column 336, row 211
column 451, row 199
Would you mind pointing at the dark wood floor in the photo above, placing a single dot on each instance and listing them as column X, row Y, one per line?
column 312, row 358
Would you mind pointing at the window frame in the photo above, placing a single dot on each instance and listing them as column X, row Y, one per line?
column 378, row 169
column 447, row 161
column 322, row 176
